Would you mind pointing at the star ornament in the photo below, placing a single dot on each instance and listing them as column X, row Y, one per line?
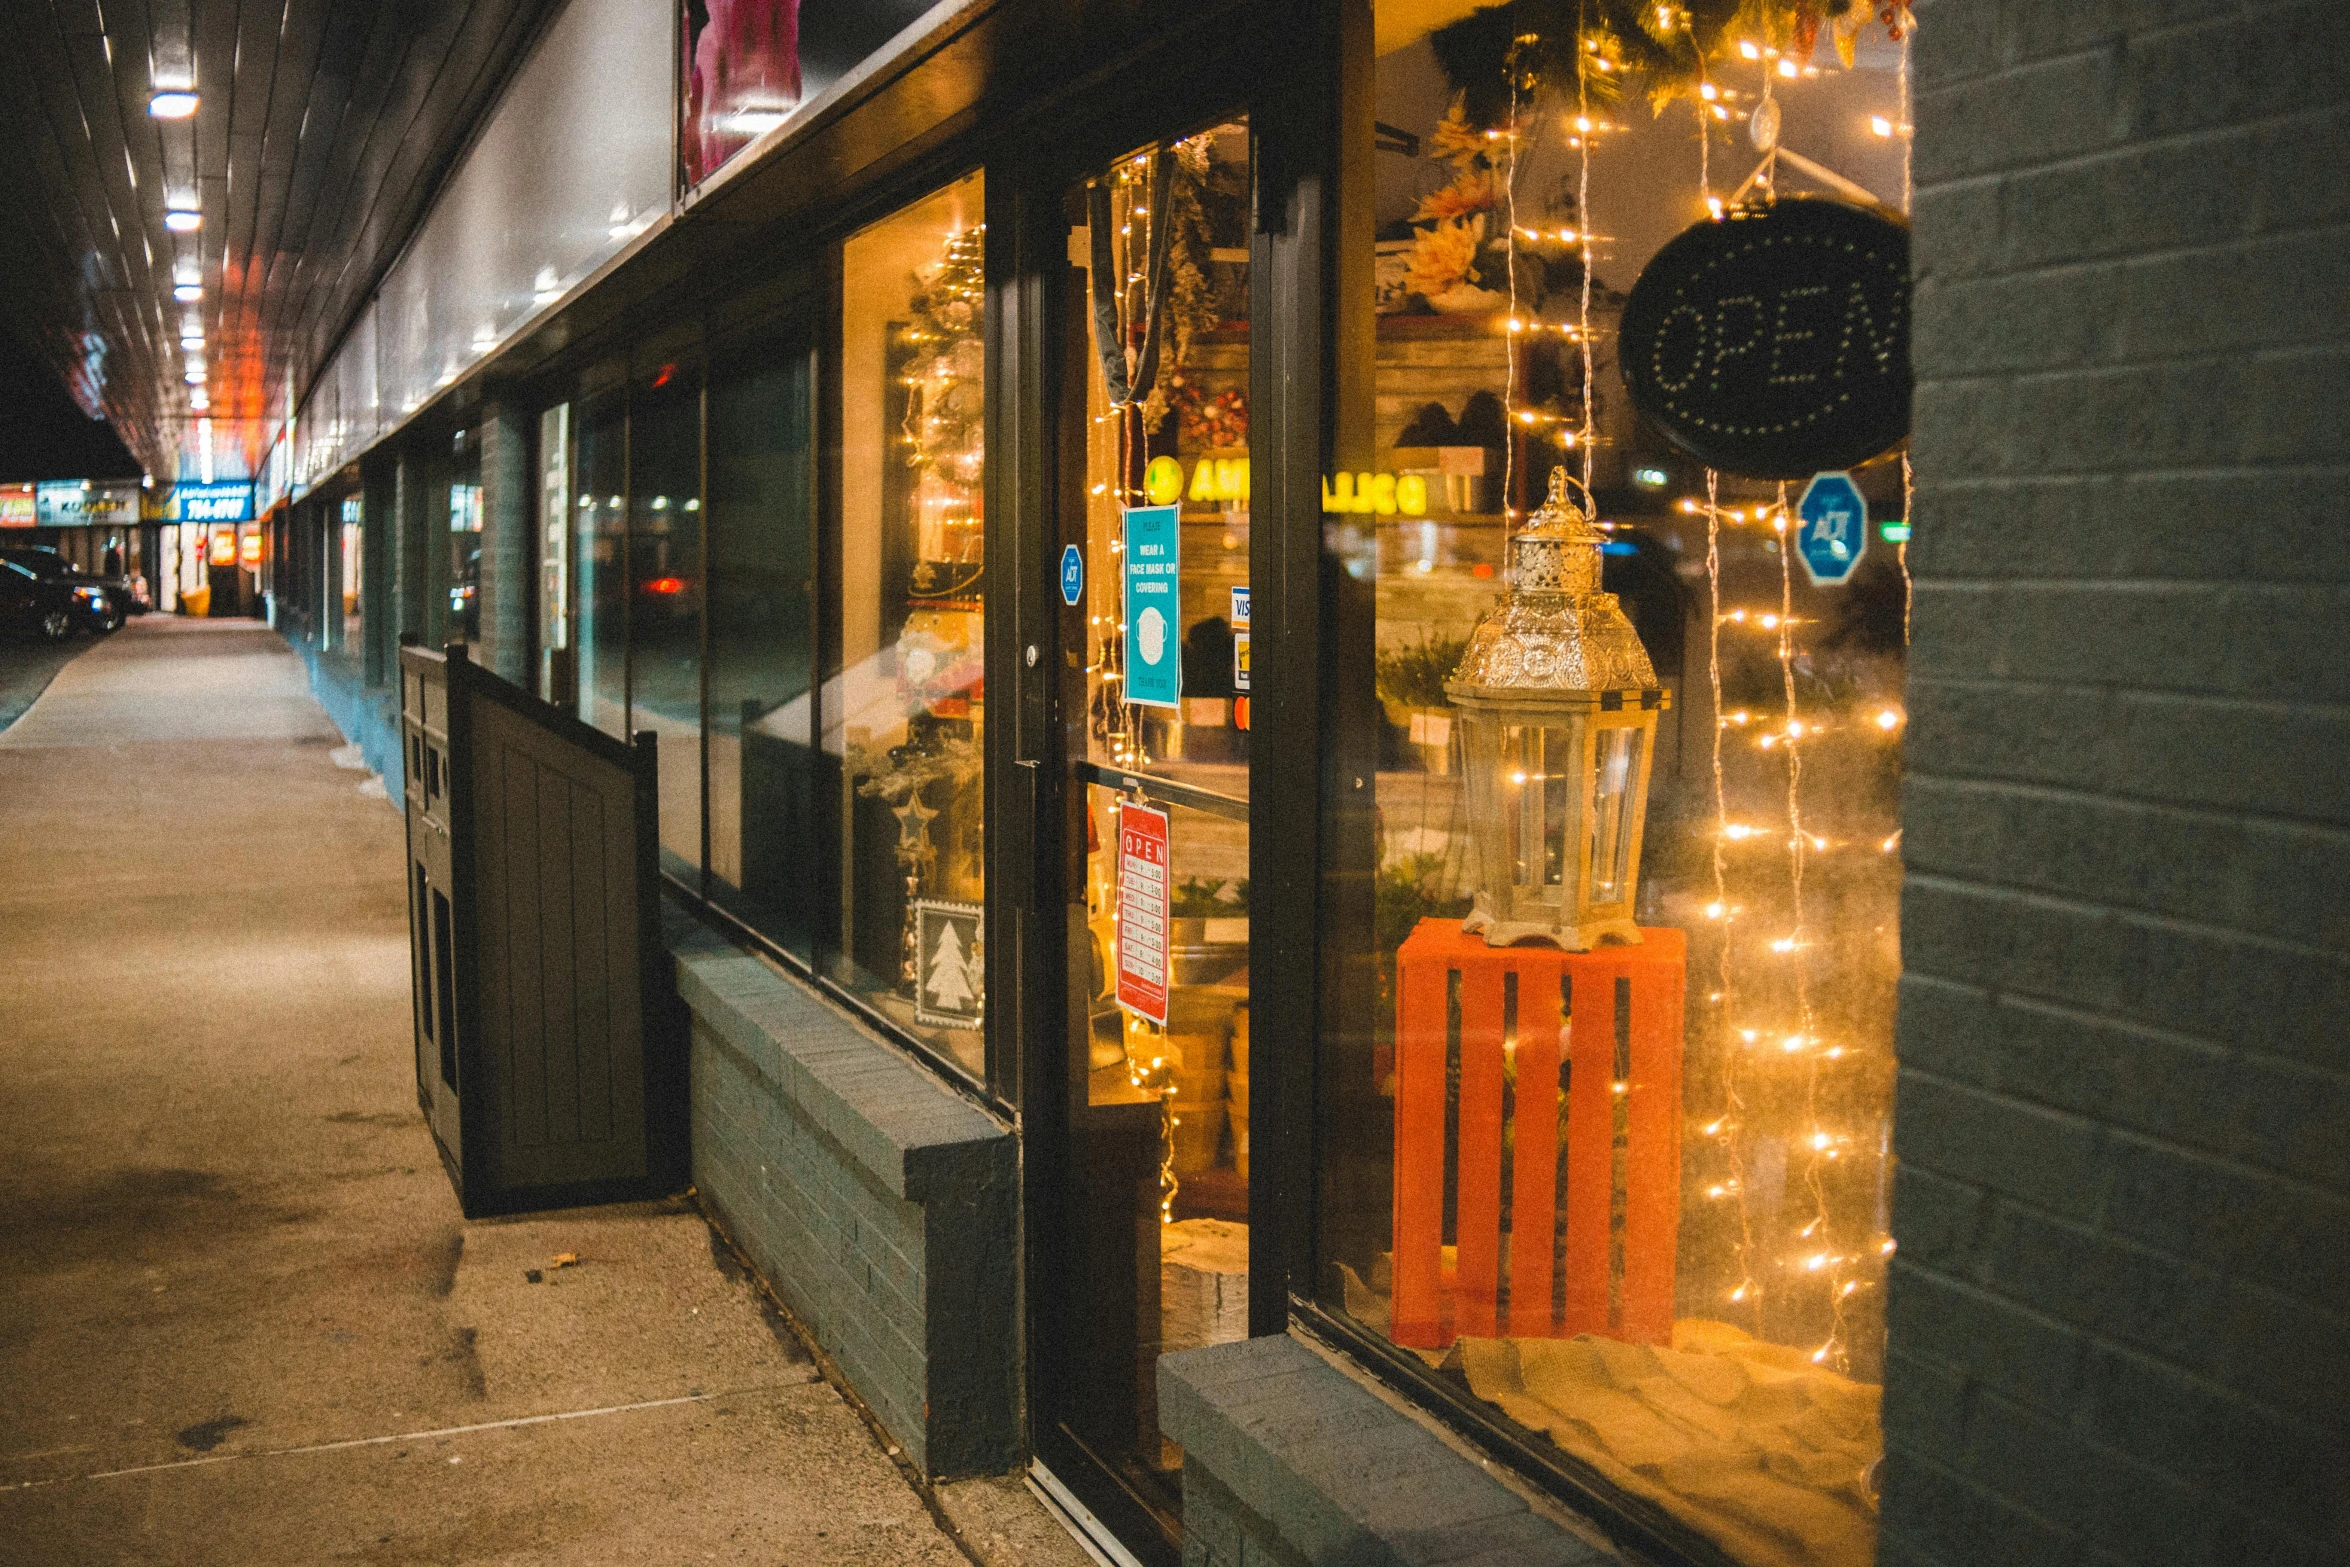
column 914, row 820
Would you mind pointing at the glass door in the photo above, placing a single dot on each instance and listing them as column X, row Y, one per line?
column 1150, row 1251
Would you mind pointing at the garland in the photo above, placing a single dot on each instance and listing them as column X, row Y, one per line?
column 946, row 416
column 1191, row 294
column 1536, row 43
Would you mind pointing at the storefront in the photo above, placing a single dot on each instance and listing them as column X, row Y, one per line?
column 92, row 523
column 205, row 534
column 1052, row 494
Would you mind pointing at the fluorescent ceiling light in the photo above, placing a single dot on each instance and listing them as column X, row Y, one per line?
column 183, row 220
column 199, row 399
column 172, row 105
column 192, row 342
column 187, row 292
column 752, row 122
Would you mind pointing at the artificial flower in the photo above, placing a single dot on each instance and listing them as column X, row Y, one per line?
column 1469, row 193
column 1445, row 256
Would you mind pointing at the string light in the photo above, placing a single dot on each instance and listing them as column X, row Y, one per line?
column 1583, row 221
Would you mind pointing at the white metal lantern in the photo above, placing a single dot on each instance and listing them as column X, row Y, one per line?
column 1558, row 707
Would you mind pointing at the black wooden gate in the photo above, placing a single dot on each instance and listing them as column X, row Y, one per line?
column 548, row 1062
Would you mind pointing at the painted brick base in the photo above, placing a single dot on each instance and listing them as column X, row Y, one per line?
column 880, row 1205
column 368, row 716
column 1288, row 1461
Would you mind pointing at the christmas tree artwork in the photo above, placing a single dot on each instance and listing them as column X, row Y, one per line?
column 949, row 981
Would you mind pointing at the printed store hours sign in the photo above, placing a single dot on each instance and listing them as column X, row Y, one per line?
column 950, row 986
column 1142, row 911
column 1774, row 343
column 1153, row 606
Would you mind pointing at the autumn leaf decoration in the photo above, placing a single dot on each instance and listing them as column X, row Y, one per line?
column 1444, row 254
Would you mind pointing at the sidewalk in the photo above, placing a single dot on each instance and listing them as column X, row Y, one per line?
column 241, row 1319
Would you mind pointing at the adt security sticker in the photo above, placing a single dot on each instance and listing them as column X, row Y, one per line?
column 1072, row 575
column 1832, row 528
column 1153, row 602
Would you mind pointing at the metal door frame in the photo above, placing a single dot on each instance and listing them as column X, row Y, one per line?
column 1276, row 66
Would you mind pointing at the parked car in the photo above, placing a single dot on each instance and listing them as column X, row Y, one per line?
column 34, row 605
column 100, row 604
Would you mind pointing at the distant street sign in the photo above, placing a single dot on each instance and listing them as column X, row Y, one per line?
column 1834, row 528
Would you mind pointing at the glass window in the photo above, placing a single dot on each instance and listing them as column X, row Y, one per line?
column 665, row 604
column 760, row 516
column 599, row 563
column 902, row 719
column 1610, row 1063
column 558, row 672
column 465, row 537
column 749, row 65
column 353, row 569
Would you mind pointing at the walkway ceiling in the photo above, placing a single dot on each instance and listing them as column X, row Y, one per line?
column 321, row 128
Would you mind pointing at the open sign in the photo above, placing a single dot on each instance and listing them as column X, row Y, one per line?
column 1774, row 343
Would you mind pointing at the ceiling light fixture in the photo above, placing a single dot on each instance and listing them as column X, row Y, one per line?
column 187, row 293
column 183, row 220
column 172, row 104
column 199, row 399
column 754, row 120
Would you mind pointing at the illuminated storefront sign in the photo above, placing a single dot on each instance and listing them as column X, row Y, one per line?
column 1384, row 494
column 226, row 502
column 79, row 503
column 17, row 507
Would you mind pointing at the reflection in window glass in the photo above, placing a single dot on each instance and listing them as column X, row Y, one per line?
column 599, row 563
column 760, row 517
column 665, row 602
column 352, row 564
column 903, row 725
column 750, row 64
column 465, row 538
column 558, row 672
column 1633, row 1198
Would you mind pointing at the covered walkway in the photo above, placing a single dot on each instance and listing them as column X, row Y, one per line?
column 241, row 1319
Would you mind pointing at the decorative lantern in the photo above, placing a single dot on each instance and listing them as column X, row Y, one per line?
column 1558, row 708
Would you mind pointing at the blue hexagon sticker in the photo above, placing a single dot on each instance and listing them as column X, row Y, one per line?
column 1833, row 530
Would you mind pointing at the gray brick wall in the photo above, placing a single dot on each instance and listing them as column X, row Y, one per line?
column 509, row 502
column 881, row 1206
column 1289, row 1462
column 2120, row 1311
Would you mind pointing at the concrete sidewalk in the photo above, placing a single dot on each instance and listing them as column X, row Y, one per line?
column 241, row 1319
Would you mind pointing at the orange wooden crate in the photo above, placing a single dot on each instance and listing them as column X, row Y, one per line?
column 1580, row 990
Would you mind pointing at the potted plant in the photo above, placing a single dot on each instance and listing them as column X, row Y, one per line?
column 1410, row 681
